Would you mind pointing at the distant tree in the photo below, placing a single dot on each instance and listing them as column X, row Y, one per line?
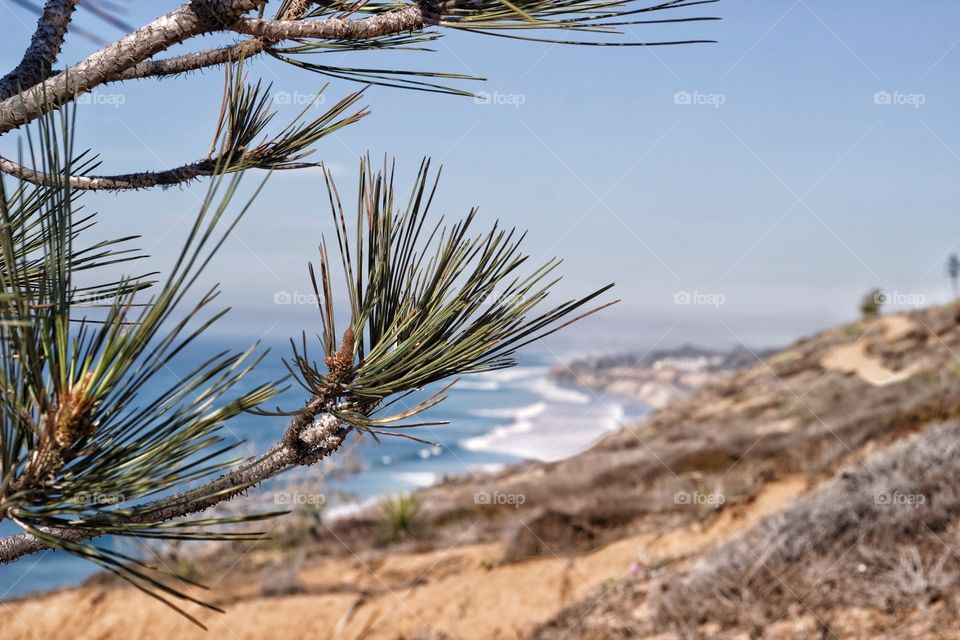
column 953, row 271
column 872, row 303
column 94, row 438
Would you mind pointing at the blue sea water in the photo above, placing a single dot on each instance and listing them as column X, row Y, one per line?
column 495, row 418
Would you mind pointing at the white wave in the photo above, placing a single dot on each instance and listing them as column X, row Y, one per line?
column 617, row 414
column 552, row 435
column 477, row 385
column 417, row 478
column 514, row 373
column 527, row 412
column 556, row 393
column 488, row 440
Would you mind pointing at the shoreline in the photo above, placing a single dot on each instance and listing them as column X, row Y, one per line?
column 522, row 432
column 547, row 419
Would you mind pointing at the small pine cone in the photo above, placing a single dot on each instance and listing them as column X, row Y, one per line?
column 62, row 427
column 72, row 419
column 340, row 364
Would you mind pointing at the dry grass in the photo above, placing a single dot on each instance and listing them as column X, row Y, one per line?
column 880, row 536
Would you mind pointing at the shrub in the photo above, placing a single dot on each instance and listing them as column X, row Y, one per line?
column 871, row 303
column 399, row 516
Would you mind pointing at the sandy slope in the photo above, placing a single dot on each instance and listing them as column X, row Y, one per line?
column 856, row 358
column 456, row 591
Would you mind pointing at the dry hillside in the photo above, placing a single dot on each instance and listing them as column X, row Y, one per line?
column 784, row 501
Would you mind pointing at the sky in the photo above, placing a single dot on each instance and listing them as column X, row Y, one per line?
column 744, row 192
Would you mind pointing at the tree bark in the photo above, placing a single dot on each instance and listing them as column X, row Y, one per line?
column 43, row 50
column 190, row 20
column 409, row 19
column 124, row 182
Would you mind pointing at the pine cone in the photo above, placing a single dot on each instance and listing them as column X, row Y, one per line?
column 340, row 364
column 72, row 418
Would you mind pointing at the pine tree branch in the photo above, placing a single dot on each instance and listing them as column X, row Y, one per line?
column 123, row 182
column 196, row 61
column 410, row 18
column 307, row 440
column 208, row 58
column 130, row 57
column 43, row 50
column 244, row 114
column 190, row 20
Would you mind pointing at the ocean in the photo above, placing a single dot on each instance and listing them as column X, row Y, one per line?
column 495, row 418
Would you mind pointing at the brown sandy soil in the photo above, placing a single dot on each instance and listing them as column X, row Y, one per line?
column 588, row 525
column 858, row 359
column 459, row 591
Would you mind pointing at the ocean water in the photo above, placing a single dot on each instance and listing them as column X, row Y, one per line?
column 495, row 418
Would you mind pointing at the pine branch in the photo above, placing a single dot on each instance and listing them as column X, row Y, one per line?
column 433, row 305
column 244, row 115
column 81, row 409
column 104, row 10
column 43, row 50
column 383, row 25
column 427, row 303
column 80, row 416
column 410, row 18
column 195, row 61
column 129, row 181
column 188, row 21
column 216, row 57
column 317, row 438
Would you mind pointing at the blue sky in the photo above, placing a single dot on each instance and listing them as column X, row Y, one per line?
column 773, row 178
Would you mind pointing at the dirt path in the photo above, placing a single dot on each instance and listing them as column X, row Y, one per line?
column 856, row 358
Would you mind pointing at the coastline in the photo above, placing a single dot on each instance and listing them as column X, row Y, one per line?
column 499, row 420
column 655, row 378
